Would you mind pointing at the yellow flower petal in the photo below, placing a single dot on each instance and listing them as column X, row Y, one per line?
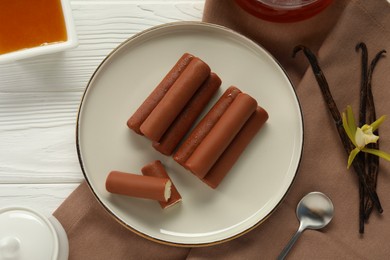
column 376, row 152
column 378, row 122
column 347, row 129
column 352, row 156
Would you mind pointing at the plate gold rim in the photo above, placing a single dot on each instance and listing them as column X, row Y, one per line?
column 112, row 214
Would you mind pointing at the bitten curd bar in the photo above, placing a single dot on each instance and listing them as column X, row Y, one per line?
column 157, row 169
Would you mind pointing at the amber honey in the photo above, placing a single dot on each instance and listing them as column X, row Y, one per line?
column 30, row 23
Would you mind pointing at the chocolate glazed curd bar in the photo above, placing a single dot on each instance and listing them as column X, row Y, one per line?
column 187, row 117
column 220, row 136
column 158, row 93
column 157, row 169
column 175, row 99
column 134, row 185
column 232, row 153
column 205, row 125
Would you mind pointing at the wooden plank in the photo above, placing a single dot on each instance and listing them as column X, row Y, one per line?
column 39, row 155
column 44, row 198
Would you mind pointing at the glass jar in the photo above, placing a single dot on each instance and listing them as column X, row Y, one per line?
column 283, row 11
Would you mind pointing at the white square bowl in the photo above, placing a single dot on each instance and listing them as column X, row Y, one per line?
column 71, row 41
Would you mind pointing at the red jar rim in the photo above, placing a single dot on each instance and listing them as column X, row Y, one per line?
column 283, row 14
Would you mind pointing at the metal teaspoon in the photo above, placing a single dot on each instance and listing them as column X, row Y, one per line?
column 314, row 211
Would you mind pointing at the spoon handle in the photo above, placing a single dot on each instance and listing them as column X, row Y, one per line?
column 290, row 244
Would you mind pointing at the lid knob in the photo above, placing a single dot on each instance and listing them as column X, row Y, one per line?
column 9, row 248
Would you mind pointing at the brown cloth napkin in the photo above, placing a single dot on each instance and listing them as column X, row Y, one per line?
column 333, row 35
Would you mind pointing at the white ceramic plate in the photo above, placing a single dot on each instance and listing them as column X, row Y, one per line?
column 253, row 188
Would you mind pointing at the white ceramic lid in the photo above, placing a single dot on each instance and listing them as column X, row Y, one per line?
column 26, row 234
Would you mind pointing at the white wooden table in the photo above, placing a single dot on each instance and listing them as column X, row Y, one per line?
column 39, row 98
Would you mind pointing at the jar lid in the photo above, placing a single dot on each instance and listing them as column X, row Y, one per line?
column 26, row 234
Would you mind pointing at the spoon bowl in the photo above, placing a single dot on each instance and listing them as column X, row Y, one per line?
column 314, row 211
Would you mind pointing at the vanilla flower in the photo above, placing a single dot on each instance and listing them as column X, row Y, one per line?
column 362, row 136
